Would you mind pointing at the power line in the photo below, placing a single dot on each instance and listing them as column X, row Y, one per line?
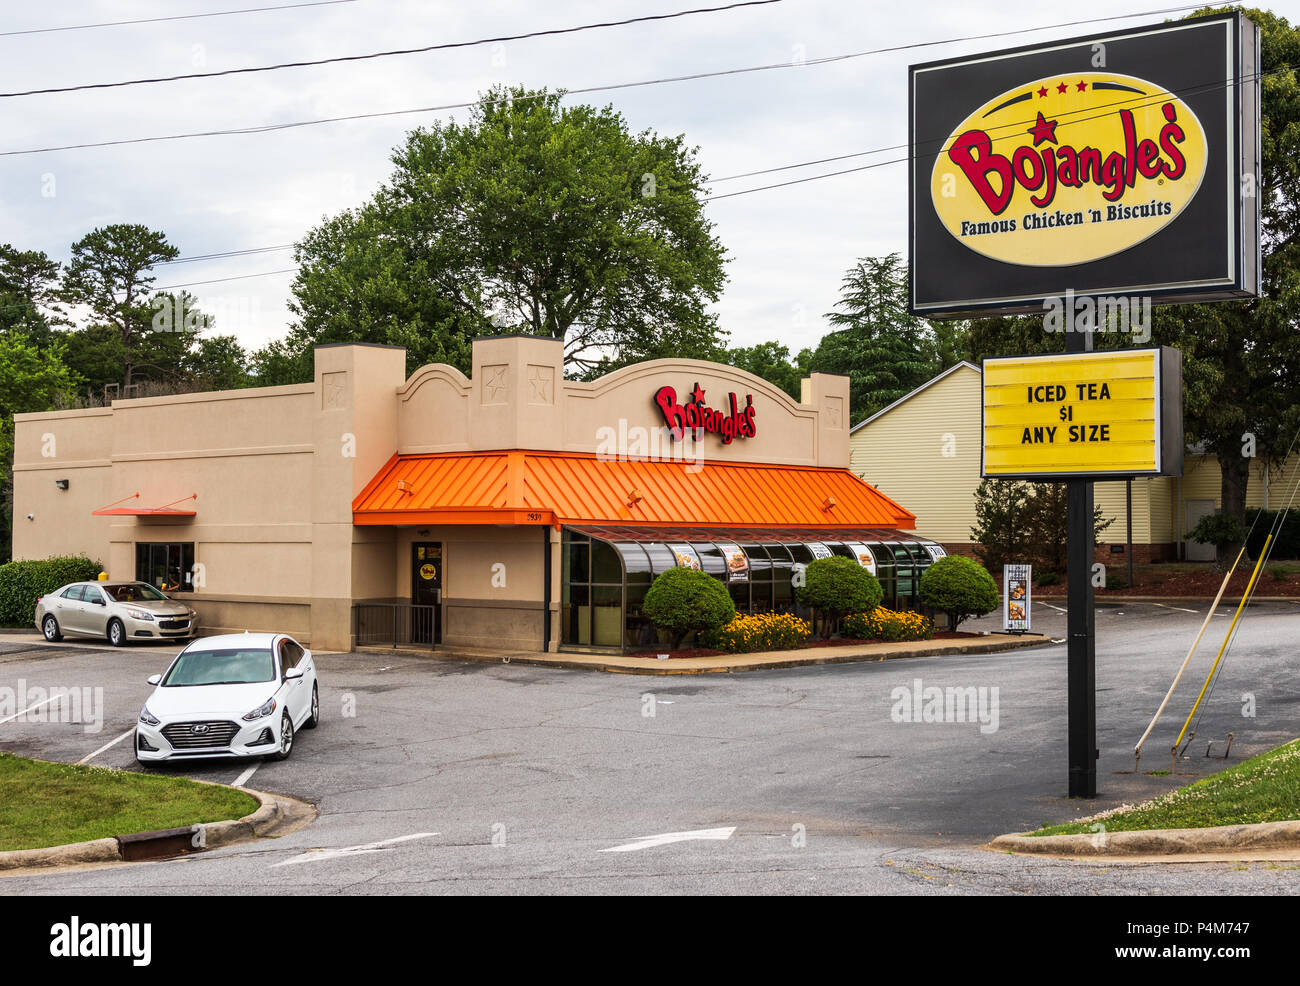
column 763, row 188
column 175, row 17
column 227, row 254
column 222, row 280
column 266, row 128
column 395, row 52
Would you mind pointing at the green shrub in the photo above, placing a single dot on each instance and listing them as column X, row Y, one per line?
column 1221, row 530
column 885, row 624
column 959, row 587
column 24, row 582
column 683, row 600
column 838, row 585
column 762, row 631
column 1047, row 578
column 1114, row 582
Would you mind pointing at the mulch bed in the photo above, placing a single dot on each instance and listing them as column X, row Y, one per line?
column 688, row 652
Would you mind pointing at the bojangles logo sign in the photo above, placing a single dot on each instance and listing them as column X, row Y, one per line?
column 1069, row 169
column 693, row 415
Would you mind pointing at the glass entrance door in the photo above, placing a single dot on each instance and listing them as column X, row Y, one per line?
column 426, row 591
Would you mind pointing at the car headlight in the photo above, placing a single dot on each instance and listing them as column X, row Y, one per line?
column 139, row 614
column 262, row 711
column 148, row 718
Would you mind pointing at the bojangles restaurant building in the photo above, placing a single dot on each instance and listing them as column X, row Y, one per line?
column 510, row 509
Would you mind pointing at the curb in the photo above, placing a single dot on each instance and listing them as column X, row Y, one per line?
column 160, row 844
column 709, row 665
column 1157, row 842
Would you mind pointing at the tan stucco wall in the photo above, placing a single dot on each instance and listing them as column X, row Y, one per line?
column 517, row 398
column 276, row 470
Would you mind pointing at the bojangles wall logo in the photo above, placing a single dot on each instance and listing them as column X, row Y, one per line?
column 1069, row 169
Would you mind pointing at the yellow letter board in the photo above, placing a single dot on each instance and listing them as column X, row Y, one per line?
column 1098, row 415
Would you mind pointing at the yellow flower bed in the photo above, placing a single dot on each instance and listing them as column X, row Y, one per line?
column 763, row 631
column 886, row 624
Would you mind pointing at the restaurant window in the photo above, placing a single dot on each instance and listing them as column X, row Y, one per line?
column 591, row 605
column 166, row 566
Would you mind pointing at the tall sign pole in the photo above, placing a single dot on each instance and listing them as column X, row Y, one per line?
column 1081, row 625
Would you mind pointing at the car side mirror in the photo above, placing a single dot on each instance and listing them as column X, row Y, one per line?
column 153, row 679
column 293, row 673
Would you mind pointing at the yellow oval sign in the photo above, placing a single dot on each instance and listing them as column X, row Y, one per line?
column 1069, row 169
column 428, row 571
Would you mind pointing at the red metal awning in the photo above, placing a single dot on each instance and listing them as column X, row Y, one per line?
column 166, row 510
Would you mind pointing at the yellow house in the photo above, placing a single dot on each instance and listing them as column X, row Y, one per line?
column 924, row 450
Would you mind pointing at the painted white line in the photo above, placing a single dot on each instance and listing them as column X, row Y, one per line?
column 107, row 746
column 312, row 855
column 1181, row 609
column 650, row 841
column 1050, row 606
column 242, row 779
column 19, row 715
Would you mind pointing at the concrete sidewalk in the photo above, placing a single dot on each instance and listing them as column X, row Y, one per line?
column 728, row 663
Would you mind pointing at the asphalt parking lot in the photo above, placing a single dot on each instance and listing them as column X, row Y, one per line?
column 438, row 776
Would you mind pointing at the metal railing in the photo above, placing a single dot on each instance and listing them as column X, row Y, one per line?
column 393, row 624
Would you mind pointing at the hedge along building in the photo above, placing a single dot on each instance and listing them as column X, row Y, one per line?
column 509, row 509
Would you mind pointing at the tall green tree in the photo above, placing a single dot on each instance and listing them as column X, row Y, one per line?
column 1241, row 360
column 530, row 217
column 885, row 350
column 772, row 362
column 29, row 294
column 111, row 273
column 31, row 379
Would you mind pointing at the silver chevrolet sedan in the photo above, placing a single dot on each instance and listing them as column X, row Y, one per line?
column 119, row 611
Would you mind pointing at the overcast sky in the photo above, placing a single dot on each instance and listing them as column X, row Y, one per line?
column 789, row 247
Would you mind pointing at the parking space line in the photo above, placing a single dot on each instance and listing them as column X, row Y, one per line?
column 243, row 778
column 651, row 841
column 19, row 715
column 107, row 746
column 315, row 855
column 1050, row 606
column 1181, row 609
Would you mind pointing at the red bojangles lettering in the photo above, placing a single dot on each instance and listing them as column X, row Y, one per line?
column 1044, row 169
column 698, row 417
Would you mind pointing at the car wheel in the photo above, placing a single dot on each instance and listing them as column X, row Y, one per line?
column 313, row 720
column 116, row 633
column 50, row 627
column 286, row 737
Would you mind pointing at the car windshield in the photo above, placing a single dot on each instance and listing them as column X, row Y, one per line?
column 239, row 666
column 134, row 592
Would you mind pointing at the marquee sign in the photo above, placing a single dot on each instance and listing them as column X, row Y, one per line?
column 1116, row 165
column 1099, row 415
column 693, row 415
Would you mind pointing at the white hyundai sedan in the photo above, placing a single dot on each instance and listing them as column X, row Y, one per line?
column 237, row 695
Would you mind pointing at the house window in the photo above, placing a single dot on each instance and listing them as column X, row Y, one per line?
column 166, row 566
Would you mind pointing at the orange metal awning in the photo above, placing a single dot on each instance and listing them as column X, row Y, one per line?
column 565, row 488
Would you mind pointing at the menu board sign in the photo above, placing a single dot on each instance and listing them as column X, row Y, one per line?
column 1017, row 586
column 737, row 563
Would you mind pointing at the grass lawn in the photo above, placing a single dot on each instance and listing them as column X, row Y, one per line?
column 51, row 804
column 1265, row 788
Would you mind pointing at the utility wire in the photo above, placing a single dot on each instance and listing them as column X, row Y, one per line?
column 446, row 46
column 174, row 17
column 265, row 128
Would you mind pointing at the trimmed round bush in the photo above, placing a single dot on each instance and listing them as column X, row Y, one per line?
column 760, row 632
column 838, row 585
column 24, row 582
column 959, row 587
column 683, row 601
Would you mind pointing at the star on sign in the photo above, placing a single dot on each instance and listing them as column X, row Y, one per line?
column 697, row 394
column 1043, row 130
